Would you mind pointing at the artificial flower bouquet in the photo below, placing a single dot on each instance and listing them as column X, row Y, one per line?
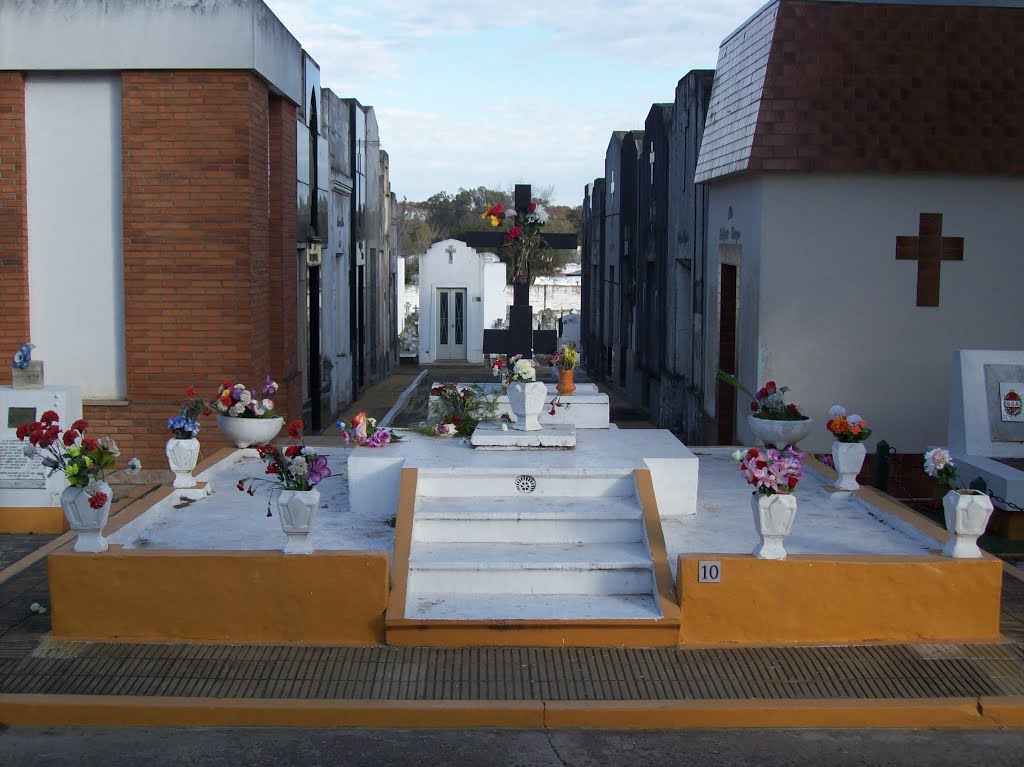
column 523, row 237
column 769, row 401
column 939, row 464
column 185, row 425
column 847, row 427
column 23, row 356
column 296, row 467
column 515, row 369
column 770, row 471
column 566, row 358
column 84, row 461
column 462, row 407
column 238, row 401
column 365, row 433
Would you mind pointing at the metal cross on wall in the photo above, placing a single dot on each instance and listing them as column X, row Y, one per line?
column 929, row 249
column 520, row 338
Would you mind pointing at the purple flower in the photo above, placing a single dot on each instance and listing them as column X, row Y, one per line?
column 318, row 470
column 379, row 439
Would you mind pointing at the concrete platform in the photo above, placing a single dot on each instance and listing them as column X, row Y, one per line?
column 490, row 436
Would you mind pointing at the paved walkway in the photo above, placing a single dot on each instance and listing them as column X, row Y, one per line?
column 46, row 681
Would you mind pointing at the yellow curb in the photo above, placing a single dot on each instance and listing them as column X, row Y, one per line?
column 138, row 711
column 1005, row 712
column 951, row 713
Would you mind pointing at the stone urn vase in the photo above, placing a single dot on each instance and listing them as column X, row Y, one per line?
column 566, row 385
column 773, row 519
column 245, row 432
column 296, row 509
column 85, row 517
column 967, row 513
column 182, row 455
column 848, row 458
column 779, row 434
column 526, row 400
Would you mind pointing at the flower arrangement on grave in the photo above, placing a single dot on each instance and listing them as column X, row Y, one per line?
column 966, row 511
column 770, row 471
column 185, row 425
column 459, row 407
column 84, row 461
column 939, row 464
column 295, row 467
column 514, row 369
column 236, row 400
column 364, row 432
column 523, row 238
column 566, row 358
column 23, row 356
column 769, row 401
column 847, row 427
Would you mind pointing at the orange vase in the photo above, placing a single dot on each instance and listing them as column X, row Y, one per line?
column 565, row 383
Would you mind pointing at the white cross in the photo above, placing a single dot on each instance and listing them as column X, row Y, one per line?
column 450, row 250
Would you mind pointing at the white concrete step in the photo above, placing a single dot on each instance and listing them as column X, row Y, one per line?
column 551, row 519
column 517, row 568
column 488, row 483
column 525, row 607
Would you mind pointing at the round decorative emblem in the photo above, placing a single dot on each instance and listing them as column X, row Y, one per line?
column 1012, row 403
column 525, row 483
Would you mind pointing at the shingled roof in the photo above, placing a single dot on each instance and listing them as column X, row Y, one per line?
column 807, row 86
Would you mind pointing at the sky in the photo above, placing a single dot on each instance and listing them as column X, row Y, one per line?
column 471, row 94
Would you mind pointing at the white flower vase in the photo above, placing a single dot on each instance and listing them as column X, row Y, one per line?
column 245, row 432
column 182, row 455
column 848, row 458
column 967, row 513
column 526, row 400
column 779, row 434
column 84, row 519
column 773, row 519
column 296, row 509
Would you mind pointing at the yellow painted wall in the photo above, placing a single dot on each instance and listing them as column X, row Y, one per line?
column 244, row 596
column 34, row 519
column 817, row 600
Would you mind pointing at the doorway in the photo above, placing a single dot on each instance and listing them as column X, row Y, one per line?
column 725, row 395
column 451, row 324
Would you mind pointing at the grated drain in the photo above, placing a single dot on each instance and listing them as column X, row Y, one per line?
column 525, row 483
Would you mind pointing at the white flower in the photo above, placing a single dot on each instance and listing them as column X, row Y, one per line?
column 304, row 450
column 854, row 419
column 541, row 214
column 738, row 455
column 257, row 409
column 836, row 411
column 510, row 213
column 238, row 408
column 222, row 407
column 28, row 450
column 373, row 422
column 299, row 467
column 108, row 444
column 524, row 371
column 246, row 397
column 267, row 404
column 134, row 467
column 936, row 460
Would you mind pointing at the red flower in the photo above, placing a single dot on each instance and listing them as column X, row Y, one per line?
column 23, row 431
column 753, row 405
column 49, row 417
column 97, row 500
column 436, row 391
column 457, row 421
column 241, row 486
column 69, row 437
column 89, row 444
column 272, row 469
column 292, row 450
column 532, row 207
column 190, row 392
column 551, row 412
column 80, row 425
column 791, row 408
column 227, row 384
column 792, row 482
column 295, row 430
column 514, row 234
column 762, row 392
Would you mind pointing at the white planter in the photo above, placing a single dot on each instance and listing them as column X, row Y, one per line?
column 245, row 432
column 779, row 434
column 526, row 400
column 773, row 519
column 848, row 458
column 296, row 509
column 182, row 455
column 967, row 513
column 84, row 519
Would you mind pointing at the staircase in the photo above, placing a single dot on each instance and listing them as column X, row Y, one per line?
column 498, row 557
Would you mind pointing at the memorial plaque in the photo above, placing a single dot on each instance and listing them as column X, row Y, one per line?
column 1004, row 392
column 30, row 377
column 16, row 416
column 17, row 471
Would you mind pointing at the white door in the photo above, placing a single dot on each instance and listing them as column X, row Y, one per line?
column 451, row 324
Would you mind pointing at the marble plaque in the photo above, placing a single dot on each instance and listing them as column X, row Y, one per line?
column 18, row 471
column 1004, row 393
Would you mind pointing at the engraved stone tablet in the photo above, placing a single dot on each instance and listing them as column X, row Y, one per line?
column 30, row 377
column 16, row 470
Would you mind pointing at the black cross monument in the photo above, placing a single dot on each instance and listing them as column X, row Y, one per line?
column 520, row 338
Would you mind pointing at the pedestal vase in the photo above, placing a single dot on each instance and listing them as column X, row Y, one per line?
column 526, row 400
column 182, row 455
column 566, row 385
column 773, row 519
column 779, row 434
column 85, row 520
column 245, row 432
column 848, row 458
column 967, row 513
column 296, row 509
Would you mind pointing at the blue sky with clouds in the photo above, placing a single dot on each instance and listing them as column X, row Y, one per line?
column 474, row 94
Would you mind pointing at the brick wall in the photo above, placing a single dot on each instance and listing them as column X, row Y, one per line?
column 14, row 322
column 198, row 261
